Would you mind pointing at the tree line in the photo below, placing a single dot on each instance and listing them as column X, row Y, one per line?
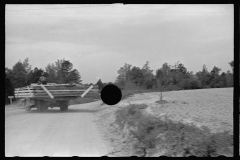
column 174, row 77
column 21, row 75
column 166, row 78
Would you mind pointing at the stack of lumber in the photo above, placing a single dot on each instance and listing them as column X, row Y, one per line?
column 56, row 90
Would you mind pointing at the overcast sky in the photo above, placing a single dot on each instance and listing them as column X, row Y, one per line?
column 99, row 39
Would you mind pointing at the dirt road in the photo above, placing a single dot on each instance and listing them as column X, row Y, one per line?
column 53, row 133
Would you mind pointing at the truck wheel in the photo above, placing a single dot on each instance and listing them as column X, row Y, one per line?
column 61, row 109
column 28, row 108
column 64, row 108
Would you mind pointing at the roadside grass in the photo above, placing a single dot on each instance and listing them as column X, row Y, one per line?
column 176, row 139
column 15, row 104
column 130, row 92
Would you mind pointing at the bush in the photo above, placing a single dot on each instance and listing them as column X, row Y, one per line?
column 195, row 84
column 171, row 87
column 176, row 138
column 190, row 84
column 123, row 115
column 9, row 90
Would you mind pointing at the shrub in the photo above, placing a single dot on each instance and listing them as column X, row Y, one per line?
column 124, row 114
column 171, row 87
column 176, row 138
column 190, row 84
column 195, row 84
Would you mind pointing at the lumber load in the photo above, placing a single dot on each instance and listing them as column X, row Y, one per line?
column 53, row 90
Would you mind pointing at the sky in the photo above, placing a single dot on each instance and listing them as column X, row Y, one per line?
column 99, row 39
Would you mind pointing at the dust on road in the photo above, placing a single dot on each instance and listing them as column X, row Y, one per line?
column 53, row 133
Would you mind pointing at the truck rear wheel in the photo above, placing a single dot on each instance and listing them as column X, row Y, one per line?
column 64, row 108
column 64, row 105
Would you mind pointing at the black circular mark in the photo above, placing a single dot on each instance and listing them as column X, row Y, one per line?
column 111, row 94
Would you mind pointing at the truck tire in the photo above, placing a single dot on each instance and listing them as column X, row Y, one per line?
column 64, row 108
column 28, row 108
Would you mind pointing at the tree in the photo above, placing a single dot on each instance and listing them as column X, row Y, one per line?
column 148, row 77
column 146, row 68
column 58, row 71
column 164, row 74
column 181, row 68
column 9, row 90
column 191, row 84
column 174, row 68
column 223, row 80
column 136, row 76
column 34, row 75
column 74, row 77
column 123, row 76
column 19, row 75
column 203, row 76
column 65, row 73
column 215, row 70
column 26, row 66
column 229, row 77
column 165, row 70
column 232, row 65
column 215, row 79
column 66, row 68
column 52, row 74
column 100, row 85
column 9, row 74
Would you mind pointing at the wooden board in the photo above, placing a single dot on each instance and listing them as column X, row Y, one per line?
column 86, row 91
column 53, row 90
column 39, row 91
column 50, row 95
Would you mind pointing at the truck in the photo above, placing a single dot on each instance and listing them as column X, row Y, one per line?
column 52, row 95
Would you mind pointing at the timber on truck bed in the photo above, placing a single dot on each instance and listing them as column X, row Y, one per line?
column 57, row 90
column 52, row 95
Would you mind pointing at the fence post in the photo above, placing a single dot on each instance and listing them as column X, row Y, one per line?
column 10, row 97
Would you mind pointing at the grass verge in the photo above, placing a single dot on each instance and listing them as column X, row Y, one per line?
column 129, row 92
column 153, row 135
